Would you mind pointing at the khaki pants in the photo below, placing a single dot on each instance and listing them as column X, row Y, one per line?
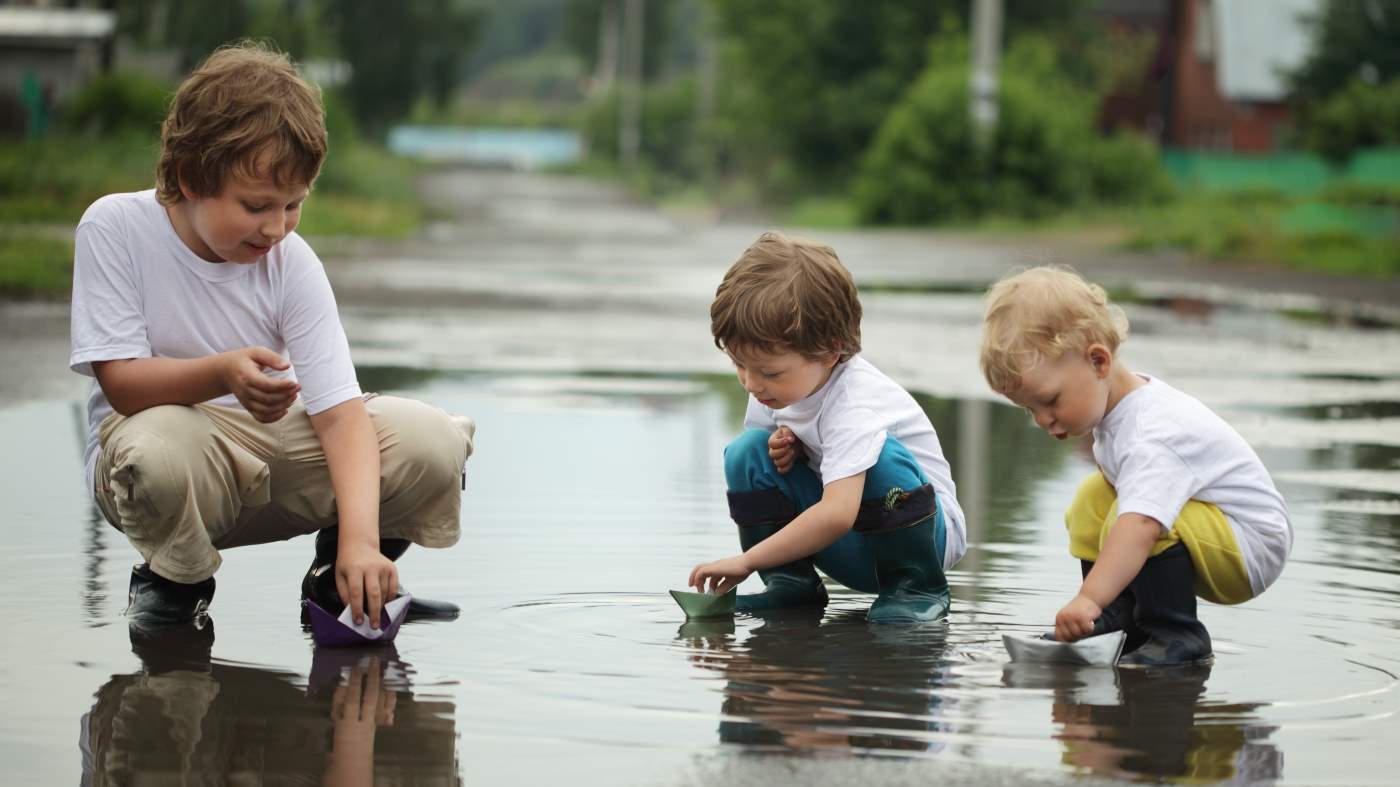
column 182, row 482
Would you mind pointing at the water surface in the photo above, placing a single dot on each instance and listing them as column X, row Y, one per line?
column 593, row 494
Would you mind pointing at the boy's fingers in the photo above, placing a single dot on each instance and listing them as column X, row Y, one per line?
column 374, row 601
column 356, row 582
column 265, row 357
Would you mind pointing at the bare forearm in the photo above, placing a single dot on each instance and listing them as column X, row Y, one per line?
column 137, row 384
column 1126, row 548
column 352, row 457
column 814, row 529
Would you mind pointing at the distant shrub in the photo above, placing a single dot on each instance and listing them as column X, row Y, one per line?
column 1045, row 156
column 669, row 133
column 118, row 103
column 1358, row 116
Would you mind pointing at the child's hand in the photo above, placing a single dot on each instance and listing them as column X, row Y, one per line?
column 267, row 398
column 784, row 448
column 1076, row 619
column 366, row 580
column 722, row 575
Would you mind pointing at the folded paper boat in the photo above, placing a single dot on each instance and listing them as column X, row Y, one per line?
column 1100, row 651
column 328, row 629
column 698, row 606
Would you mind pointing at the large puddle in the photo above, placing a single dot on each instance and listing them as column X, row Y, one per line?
column 590, row 496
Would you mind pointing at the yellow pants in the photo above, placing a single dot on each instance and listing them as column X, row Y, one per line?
column 1221, row 575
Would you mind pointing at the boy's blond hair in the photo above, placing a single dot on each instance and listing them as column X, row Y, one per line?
column 244, row 111
column 786, row 294
column 1040, row 314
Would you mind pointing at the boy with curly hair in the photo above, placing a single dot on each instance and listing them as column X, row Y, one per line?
column 839, row 468
column 1180, row 505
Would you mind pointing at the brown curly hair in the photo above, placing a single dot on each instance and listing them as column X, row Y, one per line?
column 244, row 111
column 786, row 294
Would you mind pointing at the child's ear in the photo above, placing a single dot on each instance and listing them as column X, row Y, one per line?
column 830, row 361
column 1099, row 357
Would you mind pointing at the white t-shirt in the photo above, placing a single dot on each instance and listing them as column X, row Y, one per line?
column 1160, row 448
column 140, row 292
column 844, row 424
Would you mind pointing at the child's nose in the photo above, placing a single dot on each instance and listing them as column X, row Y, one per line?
column 275, row 228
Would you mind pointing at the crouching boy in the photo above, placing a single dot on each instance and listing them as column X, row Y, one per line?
column 839, row 468
column 1180, row 506
column 225, row 410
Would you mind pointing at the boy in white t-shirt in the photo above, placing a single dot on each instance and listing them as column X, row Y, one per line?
column 225, row 410
column 1181, row 505
column 839, row 469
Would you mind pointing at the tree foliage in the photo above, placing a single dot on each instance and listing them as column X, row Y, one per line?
column 1348, row 88
column 830, row 70
column 397, row 52
column 1352, row 39
column 926, row 164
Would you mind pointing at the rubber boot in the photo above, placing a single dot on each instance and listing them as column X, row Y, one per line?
column 319, row 582
column 163, row 649
column 154, row 601
column 791, row 585
column 1165, row 613
column 913, row 588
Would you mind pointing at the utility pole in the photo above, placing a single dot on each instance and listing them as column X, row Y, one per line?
column 605, row 72
column 629, row 141
column 986, row 59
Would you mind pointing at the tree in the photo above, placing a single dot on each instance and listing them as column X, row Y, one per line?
column 830, row 70
column 1352, row 39
column 399, row 52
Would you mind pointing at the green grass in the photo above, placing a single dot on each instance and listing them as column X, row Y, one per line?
column 363, row 191
column 34, row 266
column 1266, row 228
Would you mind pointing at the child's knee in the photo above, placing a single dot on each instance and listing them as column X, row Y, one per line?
column 895, row 467
column 424, row 443
column 746, row 455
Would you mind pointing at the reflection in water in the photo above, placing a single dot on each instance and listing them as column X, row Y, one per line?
column 184, row 718
column 803, row 684
column 1134, row 723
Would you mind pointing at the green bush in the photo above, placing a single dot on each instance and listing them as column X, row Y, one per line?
column 34, row 266
column 56, row 178
column 118, row 103
column 1361, row 115
column 1045, row 156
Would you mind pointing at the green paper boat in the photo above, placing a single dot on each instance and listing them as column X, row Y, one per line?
column 705, row 605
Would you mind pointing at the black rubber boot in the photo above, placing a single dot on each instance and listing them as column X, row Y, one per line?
column 163, row 649
column 154, row 601
column 759, row 514
column 900, row 531
column 319, row 583
column 1165, row 613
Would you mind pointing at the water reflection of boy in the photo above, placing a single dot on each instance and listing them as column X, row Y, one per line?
column 839, row 469
column 1131, row 724
column 1180, row 506
column 201, row 434
column 184, row 718
column 807, row 684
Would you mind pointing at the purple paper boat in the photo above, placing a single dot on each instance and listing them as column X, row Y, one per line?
column 328, row 629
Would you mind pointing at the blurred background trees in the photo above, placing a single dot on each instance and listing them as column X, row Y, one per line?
column 1154, row 114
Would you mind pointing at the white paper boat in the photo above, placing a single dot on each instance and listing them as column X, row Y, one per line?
column 1100, row 651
